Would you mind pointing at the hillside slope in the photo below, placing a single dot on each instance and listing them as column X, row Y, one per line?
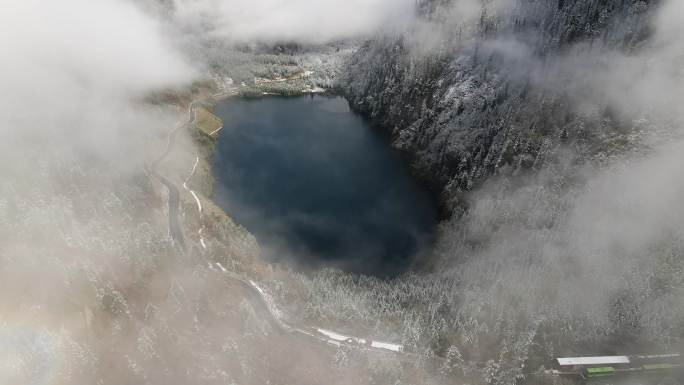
column 550, row 128
column 495, row 93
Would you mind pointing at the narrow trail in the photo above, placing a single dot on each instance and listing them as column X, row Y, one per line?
column 197, row 201
column 175, row 229
column 267, row 309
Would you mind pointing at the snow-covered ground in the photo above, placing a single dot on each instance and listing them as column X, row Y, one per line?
column 310, row 70
column 361, row 341
column 323, row 335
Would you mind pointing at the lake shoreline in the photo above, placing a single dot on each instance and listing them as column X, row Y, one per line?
column 206, row 143
column 350, row 200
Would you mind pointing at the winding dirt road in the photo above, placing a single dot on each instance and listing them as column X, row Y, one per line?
column 175, row 229
column 261, row 302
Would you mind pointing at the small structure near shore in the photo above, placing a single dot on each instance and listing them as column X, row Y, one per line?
column 591, row 368
column 208, row 123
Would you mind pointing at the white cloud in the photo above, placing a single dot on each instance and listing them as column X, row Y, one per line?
column 306, row 21
column 77, row 67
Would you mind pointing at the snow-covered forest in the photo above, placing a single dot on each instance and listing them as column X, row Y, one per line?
column 551, row 130
column 548, row 128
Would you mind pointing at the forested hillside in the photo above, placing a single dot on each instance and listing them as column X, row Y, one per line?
column 492, row 94
column 550, row 128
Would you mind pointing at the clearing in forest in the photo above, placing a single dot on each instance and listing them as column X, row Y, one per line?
column 207, row 122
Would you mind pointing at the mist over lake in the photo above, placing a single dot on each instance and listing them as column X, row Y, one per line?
column 317, row 185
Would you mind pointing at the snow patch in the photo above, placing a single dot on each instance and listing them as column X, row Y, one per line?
column 387, row 346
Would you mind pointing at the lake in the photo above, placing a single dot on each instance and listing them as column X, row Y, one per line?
column 319, row 187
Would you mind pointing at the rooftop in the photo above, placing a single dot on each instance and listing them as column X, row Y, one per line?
column 605, row 360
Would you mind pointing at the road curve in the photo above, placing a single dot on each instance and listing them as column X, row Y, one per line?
column 175, row 229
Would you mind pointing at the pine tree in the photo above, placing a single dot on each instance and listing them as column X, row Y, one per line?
column 453, row 365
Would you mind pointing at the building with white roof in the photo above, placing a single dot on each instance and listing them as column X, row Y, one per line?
column 590, row 361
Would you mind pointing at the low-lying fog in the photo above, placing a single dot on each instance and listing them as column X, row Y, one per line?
column 93, row 290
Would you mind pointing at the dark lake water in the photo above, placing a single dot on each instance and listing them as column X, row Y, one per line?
column 316, row 185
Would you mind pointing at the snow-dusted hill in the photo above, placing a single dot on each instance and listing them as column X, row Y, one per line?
column 499, row 91
column 552, row 130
